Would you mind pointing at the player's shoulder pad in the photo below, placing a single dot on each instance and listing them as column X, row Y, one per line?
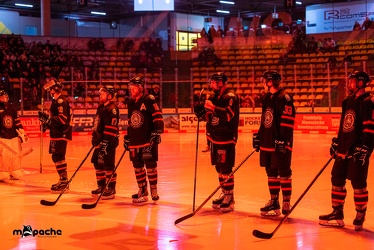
column 284, row 94
column 60, row 100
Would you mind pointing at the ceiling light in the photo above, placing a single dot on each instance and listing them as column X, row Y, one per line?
column 227, row 2
column 98, row 13
column 298, row 2
column 24, row 5
column 223, row 11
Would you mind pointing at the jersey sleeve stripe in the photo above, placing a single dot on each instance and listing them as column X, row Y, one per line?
column 287, row 125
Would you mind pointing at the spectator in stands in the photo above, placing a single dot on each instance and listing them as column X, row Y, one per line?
column 203, row 33
column 329, row 45
column 357, row 26
column 156, row 93
column 211, row 33
column 367, row 23
column 220, row 32
column 312, row 45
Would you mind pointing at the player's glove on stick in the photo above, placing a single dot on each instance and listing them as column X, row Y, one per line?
column 334, row 146
column 126, row 142
column 44, row 118
column 199, row 110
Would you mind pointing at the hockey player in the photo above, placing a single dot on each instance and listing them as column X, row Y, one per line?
column 105, row 133
column 352, row 150
column 58, row 123
column 11, row 136
column 143, row 136
column 274, row 141
column 221, row 111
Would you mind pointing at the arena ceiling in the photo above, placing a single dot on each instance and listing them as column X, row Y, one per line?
column 117, row 9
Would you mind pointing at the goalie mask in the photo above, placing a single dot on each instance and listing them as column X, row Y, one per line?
column 54, row 86
column 273, row 76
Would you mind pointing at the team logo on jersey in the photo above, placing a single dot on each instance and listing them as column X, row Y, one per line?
column 60, row 101
column 151, row 97
column 137, row 119
column 231, row 102
column 268, row 118
column 114, row 111
column 215, row 121
column 349, row 121
column 60, row 109
column 288, row 98
column 8, row 121
column 143, row 107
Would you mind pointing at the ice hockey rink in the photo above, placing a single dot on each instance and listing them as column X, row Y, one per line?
column 119, row 224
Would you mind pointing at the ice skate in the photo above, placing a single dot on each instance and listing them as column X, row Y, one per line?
column 207, row 149
column 97, row 191
column 141, row 196
column 286, row 207
column 109, row 193
column 154, row 194
column 61, row 185
column 227, row 204
column 358, row 222
column 334, row 219
column 216, row 203
column 271, row 208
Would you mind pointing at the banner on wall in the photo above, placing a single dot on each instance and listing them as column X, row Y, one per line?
column 337, row 17
column 305, row 123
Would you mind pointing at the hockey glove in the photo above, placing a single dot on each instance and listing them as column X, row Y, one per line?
column 361, row 153
column 103, row 146
column 22, row 135
column 280, row 146
column 102, row 152
column 334, row 146
column 199, row 110
column 155, row 138
column 44, row 118
column 256, row 141
column 126, row 142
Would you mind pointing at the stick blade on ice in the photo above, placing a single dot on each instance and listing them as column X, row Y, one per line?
column 89, row 206
column 262, row 235
column 183, row 218
column 47, row 203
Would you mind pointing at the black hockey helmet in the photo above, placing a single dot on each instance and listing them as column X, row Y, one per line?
column 137, row 80
column 53, row 85
column 220, row 76
column 360, row 76
column 110, row 89
column 272, row 75
column 4, row 97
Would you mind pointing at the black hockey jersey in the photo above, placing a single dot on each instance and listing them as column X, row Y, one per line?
column 144, row 117
column 9, row 122
column 60, row 127
column 277, row 120
column 106, row 125
column 356, row 124
column 223, row 123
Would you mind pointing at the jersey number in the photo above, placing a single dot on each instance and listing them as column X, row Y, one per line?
column 287, row 110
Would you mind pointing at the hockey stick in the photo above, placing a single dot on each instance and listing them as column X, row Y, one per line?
column 215, row 191
column 41, row 134
column 52, row 203
column 263, row 235
column 197, row 151
column 93, row 205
